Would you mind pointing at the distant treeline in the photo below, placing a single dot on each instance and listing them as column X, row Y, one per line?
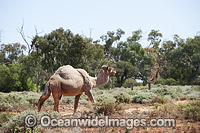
column 171, row 62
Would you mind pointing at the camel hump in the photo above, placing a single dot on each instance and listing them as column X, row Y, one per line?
column 67, row 72
column 87, row 83
column 63, row 69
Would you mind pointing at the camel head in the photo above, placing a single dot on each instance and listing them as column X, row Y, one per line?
column 108, row 70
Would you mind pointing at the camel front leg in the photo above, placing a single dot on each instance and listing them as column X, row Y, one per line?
column 76, row 102
column 56, row 102
column 89, row 94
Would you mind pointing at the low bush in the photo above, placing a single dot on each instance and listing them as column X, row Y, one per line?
column 143, row 88
column 159, row 99
column 169, row 81
column 142, row 97
column 12, row 98
column 106, row 104
column 4, row 117
column 32, row 98
column 129, row 83
column 167, row 110
column 191, row 110
column 122, row 97
column 5, row 106
column 67, row 100
column 17, row 121
column 160, row 81
column 165, row 91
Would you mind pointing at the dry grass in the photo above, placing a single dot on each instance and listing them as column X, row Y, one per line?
column 118, row 103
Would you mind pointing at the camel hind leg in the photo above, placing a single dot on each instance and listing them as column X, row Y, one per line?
column 56, row 92
column 76, row 102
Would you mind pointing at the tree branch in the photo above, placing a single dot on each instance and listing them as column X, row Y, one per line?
column 21, row 31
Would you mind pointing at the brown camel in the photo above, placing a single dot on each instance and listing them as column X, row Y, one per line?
column 68, row 81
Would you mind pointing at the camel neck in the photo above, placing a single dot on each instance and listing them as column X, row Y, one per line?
column 100, row 80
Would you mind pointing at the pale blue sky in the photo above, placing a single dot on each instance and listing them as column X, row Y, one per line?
column 171, row 17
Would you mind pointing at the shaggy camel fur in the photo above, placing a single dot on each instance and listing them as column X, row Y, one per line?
column 68, row 81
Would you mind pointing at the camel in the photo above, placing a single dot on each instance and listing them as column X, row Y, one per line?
column 68, row 81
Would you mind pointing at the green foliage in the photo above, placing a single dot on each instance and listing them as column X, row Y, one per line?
column 167, row 110
column 105, row 104
column 13, row 51
column 154, row 36
column 110, row 38
column 159, row 99
column 175, row 61
column 169, row 81
column 142, row 97
column 164, row 91
column 12, row 98
column 125, row 70
column 5, row 106
column 19, row 100
column 4, row 117
column 191, row 110
column 129, row 83
column 32, row 98
column 14, row 78
column 182, row 62
column 160, row 81
column 122, row 97
column 17, row 121
column 68, row 100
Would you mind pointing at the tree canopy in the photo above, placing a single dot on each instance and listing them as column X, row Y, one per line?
column 177, row 61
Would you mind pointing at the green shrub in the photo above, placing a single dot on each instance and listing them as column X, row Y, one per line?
column 12, row 98
column 167, row 110
column 192, row 98
column 31, row 85
column 141, row 88
column 160, row 81
column 129, row 83
column 169, row 81
column 159, row 99
column 132, row 93
column 17, row 121
column 196, row 88
column 5, row 106
column 49, row 101
column 67, row 100
column 51, row 113
column 191, row 110
column 4, row 117
column 106, row 104
column 142, row 97
column 173, row 93
column 122, row 97
column 32, row 98
column 164, row 91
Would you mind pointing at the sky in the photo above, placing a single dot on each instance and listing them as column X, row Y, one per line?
column 83, row 17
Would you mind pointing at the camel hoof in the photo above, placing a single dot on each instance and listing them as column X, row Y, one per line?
column 77, row 114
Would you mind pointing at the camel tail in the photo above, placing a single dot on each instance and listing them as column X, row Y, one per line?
column 45, row 95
